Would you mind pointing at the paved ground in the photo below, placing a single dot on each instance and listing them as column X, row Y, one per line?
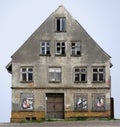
column 91, row 123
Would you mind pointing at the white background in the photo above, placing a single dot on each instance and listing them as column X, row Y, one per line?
column 20, row 18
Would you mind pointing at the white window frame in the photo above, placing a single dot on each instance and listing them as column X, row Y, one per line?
column 99, row 72
column 46, row 46
column 76, row 48
column 62, row 48
column 81, row 71
column 62, row 24
column 54, row 74
column 26, row 71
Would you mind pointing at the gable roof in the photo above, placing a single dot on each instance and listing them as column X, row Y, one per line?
column 46, row 32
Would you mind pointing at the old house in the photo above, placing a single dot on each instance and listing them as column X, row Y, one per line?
column 60, row 72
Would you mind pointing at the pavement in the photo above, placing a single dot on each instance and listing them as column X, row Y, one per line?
column 91, row 123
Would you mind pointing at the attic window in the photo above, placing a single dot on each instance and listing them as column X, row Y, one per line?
column 61, row 24
column 60, row 48
column 75, row 48
column 45, row 48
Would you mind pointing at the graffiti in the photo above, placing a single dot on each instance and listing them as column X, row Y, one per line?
column 81, row 102
column 98, row 102
column 27, row 103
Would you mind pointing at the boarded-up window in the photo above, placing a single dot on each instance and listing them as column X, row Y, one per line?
column 81, row 101
column 26, row 101
column 55, row 74
column 98, row 102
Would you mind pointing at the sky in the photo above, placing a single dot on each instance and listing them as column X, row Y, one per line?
column 20, row 18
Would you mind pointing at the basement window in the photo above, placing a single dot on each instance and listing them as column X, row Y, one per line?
column 61, row 24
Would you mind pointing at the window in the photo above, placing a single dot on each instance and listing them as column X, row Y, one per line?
column 98, row 102
column 60, row 48
column 27, row 74
column 26, row 101
column 60, row 24
column 55, row 74
column 75, row 48
column 81, row 102
column 45, row 48
column 80, row 75
column 99, row 74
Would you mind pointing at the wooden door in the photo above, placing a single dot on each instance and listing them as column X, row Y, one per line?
column 55, row 106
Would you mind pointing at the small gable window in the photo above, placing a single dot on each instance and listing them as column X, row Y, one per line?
column 75, row 48
column 26, row 74
column 60, row 48
column 45, row 48
column 61, row 24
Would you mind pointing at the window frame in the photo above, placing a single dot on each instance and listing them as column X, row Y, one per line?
column 61, row 47
column 61, row 27
column 56, row 72
column 80, row 73
column 76, row 48
column 46, row 46
column 26, row 75
column 96, row 75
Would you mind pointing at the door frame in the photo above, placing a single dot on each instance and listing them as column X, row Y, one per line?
column 54, row 94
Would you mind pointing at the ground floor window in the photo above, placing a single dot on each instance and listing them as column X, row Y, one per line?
column 99, row 102
column 81, row 102
column 26, row 101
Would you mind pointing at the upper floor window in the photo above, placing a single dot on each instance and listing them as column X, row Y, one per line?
column 26, row 74
column 60, row 48
column 80, row 74
column 75, row 48
column 54, row 74
column 45, row 48
column 61, row 24
column 98, row 74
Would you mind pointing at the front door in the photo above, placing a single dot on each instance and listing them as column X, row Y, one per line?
column 55, row 106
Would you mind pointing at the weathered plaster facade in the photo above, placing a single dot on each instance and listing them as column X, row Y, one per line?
column 82, row 94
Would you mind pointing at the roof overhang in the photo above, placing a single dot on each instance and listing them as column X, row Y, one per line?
column 9, row 67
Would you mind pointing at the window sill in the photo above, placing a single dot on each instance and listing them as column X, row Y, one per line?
column 61, row 55
column 80, row 82
column 98, row 81
column 54, row 81
column 76, row 55
column 26, row 81
column 45, row 54
column 61, row 31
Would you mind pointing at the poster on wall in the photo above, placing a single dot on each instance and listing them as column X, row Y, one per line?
column 81, row 102
column 99, row 102
column 26, row 101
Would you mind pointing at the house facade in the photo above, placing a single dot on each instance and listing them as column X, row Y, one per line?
column 60, row 72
